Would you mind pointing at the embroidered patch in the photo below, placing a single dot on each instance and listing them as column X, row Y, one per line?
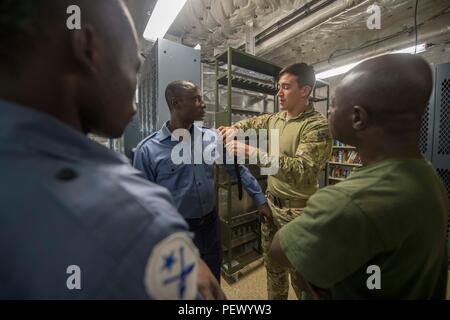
column 171, row 271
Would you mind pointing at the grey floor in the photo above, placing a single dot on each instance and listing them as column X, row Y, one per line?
column 251, row 284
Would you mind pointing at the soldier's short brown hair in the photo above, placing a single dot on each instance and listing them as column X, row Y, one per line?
column 305, row 74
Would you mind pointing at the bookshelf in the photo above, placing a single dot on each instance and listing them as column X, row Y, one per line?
column 344, row 159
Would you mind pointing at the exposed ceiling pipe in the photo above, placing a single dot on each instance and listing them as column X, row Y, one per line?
column 217, row 11
column 431, row 33
column 228, row 7
column 335, row 9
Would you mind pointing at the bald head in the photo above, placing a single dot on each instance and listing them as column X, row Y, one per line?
column 390, row 88
column 185, row 102
column 176, row 89
column 384, row 96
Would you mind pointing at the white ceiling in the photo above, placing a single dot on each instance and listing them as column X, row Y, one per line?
column 323, row 38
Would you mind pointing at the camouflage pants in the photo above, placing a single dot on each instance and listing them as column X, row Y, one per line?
column 278, row 277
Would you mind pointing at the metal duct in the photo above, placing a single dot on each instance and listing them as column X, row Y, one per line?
column 331, row 11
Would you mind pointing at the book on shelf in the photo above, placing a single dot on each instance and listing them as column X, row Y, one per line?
column 352, row 157
column 345, row 156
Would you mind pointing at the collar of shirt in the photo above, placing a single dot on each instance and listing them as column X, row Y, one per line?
column 309, row 109
column 164, row 133
column 38, row 131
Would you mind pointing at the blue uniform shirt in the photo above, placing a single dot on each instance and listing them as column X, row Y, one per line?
column 191, row 185
column 68, row 201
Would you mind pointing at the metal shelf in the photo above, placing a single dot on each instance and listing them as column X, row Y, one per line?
column 240, row 261
column 241, row 240
column 247, row 85
column 337, row 179
column 248, row 112
column 313, row 99
column 242, row 219
column 248, row 61
column 344, row 147
column 346, row 164
column 254, row 77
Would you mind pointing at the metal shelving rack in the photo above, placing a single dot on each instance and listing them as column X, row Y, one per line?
column 240, row 223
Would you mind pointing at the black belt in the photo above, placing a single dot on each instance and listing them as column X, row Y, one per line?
column 206, row 220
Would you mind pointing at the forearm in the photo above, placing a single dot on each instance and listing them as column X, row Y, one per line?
column 253, row 123
column 297, row 167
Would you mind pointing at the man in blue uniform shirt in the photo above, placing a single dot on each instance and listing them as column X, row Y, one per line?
column 191, row 182
column 77, row 221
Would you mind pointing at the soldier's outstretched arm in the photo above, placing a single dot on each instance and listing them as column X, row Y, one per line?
column 311, row 156
column 257, row 123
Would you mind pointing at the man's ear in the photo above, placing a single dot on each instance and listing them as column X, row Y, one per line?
column 87, row 48
column 360, row 118
column 173, row 103
column 306, row 90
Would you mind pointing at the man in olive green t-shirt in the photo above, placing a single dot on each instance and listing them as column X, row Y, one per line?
column 382, row 232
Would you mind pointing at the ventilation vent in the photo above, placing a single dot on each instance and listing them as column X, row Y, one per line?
column 445, row 176
column 444, row 121
column 423, row 139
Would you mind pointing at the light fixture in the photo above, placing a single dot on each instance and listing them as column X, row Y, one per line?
column 336, row 71
column 162, row 18
column 414, row 49
column 345, row 68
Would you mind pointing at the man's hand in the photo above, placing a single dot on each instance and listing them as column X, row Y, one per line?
column 237, row 148
column 227, row 133
column 266, row 213
column 207, row 284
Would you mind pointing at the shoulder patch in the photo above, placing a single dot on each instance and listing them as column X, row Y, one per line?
column 171, row 271
column 323, row 135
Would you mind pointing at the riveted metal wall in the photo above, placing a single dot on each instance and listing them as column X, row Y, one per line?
column 441, row 144
column 426, row 132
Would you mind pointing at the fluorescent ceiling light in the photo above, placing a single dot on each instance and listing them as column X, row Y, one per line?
column 420, row 48
column 343, row 69
column 162, row 18
column 336, row 71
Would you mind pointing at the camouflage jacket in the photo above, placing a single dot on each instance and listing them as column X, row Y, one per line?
column 305, row 145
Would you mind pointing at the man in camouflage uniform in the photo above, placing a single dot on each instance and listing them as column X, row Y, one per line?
column 304, row 148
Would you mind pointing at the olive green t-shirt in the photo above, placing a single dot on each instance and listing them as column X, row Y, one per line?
column 392, row 214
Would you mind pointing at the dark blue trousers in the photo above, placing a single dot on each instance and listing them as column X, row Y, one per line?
column 207, row 238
